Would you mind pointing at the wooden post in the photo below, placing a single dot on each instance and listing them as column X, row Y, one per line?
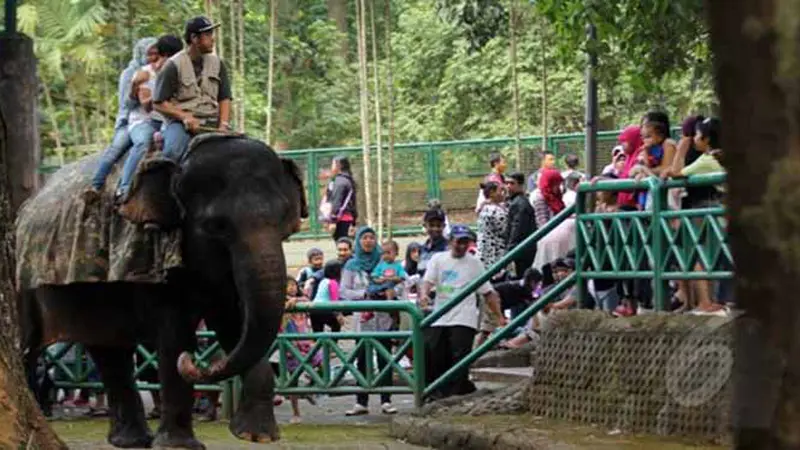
column 18, row 94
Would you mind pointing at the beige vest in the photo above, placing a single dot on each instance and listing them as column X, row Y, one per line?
column 198, row 97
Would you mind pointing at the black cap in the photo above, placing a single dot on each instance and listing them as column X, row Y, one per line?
column 433, row 214
column 199, row 24
column 564, row 263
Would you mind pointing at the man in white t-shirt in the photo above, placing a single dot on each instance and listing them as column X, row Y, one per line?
column 450, row 338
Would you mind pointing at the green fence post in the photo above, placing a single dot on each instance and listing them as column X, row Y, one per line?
column 418, row 348
column 227, row 399
column 312, row 173
column 659, row 198
column 580, row 207
column 432, row 175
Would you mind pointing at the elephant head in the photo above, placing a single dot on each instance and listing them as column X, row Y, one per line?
column 236, row 202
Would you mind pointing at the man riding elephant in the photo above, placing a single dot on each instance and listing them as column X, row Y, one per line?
column 193, row 89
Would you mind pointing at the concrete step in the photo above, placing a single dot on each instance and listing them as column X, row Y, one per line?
column 501, row 374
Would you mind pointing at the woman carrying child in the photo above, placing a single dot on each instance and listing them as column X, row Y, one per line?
column 354, row 286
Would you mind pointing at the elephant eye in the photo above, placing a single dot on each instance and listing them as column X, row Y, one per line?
column 217, row 227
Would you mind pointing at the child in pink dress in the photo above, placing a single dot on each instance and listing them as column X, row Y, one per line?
column 297, row 323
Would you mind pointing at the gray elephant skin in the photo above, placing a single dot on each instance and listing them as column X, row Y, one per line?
column 234, row 202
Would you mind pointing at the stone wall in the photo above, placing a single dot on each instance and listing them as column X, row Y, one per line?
column 660, row 374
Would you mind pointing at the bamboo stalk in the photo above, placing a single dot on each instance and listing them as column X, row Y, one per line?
column 378, row 128
column 51, row 112
column 220, row 35
column 242, row 111
column 545, row 106
column 364, row 104
column 273, row 19
column 390, row 114
column 514, row 81
column 233, row 66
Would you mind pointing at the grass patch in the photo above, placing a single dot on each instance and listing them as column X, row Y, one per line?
column 95, row 430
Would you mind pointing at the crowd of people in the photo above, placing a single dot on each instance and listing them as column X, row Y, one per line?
column 510, row 207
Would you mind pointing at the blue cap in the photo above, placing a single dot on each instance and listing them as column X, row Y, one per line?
column 459, row 231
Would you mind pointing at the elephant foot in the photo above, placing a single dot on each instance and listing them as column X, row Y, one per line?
column 130, row 437
column 177, row 439
column 255, row 428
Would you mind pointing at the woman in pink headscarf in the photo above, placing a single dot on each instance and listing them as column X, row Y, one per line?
column 631, row 141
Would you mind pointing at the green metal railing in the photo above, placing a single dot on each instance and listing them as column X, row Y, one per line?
column 328, row 378
column 659, row 244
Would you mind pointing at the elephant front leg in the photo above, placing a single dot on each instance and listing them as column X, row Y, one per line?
column 128, row 427
column 175, row 430
column 254, row 421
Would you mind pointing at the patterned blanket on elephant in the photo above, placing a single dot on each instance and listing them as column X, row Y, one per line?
column 61, row 240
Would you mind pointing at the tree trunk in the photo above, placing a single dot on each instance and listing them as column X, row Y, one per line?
column 390, row 113
column 207, row 9
column 512, row 25
column 757, row 67
column 337, row 11
column 364, row 103
column 18, row 94
column 273, row 19
column 378, row 128
column 21, row 423
column 242, row 112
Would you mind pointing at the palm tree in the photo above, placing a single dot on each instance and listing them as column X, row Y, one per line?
column 68, row 46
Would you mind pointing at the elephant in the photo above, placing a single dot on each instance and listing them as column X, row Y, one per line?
column 233, row 202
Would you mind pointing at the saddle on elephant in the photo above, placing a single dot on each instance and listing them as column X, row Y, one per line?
column 63, row 240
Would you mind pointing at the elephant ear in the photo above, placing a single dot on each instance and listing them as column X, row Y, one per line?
column 152, row 198
column 291, row 169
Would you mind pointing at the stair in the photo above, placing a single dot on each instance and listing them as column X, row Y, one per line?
column 507, row 375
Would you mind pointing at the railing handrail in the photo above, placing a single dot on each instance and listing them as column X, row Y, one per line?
column 524, row 246
column 627, row 184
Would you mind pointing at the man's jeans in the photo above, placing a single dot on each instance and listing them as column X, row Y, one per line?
column 176, row 140
column 119, row 144
column 141, row 136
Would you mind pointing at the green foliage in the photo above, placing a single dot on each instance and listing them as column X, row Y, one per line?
column 480, row 20
column 647, row 38
column 451, row 67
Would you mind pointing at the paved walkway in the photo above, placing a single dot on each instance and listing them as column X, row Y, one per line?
column 326, row 418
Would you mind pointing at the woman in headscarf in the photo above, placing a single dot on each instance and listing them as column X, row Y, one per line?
column 631, row 141
column 355, row 280
column 548, row 201
column 144, row 52
column 546, row 204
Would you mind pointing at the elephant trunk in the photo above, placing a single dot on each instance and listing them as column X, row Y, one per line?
column 259, row 271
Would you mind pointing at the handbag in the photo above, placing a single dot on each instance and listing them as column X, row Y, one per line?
column 326, row 209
